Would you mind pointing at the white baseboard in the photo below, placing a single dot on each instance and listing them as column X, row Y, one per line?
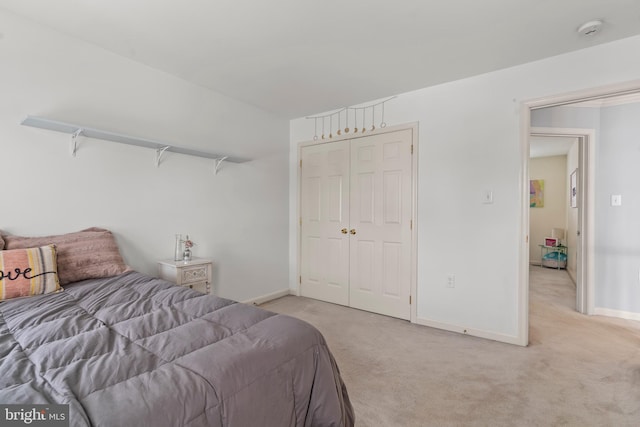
column 268, row 297
column 509, row 339
column 629, row 315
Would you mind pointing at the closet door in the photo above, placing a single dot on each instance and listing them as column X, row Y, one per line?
column 380, row 224
column 324, row 197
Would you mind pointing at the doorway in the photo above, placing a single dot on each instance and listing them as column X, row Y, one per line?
column 585, row 293
column 578, row 147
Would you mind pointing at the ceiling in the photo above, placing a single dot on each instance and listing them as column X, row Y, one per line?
column 546, row 146
column 299, row 57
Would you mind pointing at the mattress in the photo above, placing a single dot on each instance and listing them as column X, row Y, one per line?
column 133, row 350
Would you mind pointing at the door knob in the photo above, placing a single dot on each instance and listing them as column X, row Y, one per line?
column 343, row 231
column 352, row 231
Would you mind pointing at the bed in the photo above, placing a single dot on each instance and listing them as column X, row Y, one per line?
column 134, row 350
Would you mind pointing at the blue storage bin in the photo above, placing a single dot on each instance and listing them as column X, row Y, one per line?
column 555, row 260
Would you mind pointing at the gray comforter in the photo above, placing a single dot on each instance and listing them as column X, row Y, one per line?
column 132, row 350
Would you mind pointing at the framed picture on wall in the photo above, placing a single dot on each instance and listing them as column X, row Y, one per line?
column 573, row 190
column 536, row 193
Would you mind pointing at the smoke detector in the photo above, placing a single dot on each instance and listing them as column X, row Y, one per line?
column 590, row 28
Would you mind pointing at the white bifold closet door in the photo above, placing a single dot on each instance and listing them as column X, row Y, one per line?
column 356, row 223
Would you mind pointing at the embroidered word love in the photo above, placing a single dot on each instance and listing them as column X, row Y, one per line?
column 18, row 272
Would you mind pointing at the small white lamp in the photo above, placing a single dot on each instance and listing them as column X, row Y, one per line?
column 558, row 233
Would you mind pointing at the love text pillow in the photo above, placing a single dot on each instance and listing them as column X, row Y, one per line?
column 28, row 272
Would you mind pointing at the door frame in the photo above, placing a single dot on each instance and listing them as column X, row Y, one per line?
column 413, row 126
column 585, row 270
column 525, row 130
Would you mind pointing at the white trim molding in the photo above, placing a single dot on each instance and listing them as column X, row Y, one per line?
column 480, row 333
column 617, row 90
column 629, row 315
column 631, row 98
column 269, row 297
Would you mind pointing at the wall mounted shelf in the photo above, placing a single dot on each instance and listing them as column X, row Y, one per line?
column 160, row 148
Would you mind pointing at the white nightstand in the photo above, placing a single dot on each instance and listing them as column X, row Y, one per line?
column 196, row 274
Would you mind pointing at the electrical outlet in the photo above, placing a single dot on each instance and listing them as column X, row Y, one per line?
column 451, row 281
column 487, row 197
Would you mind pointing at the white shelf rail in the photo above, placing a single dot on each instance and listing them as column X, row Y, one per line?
column 160, row 148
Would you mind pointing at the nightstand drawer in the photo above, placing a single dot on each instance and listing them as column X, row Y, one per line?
column 198, row 286
column 194, row 274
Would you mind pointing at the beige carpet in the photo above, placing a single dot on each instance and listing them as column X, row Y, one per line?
column 577, row 371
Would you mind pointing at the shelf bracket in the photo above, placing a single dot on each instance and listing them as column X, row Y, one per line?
column 217, row 163
column 74, row 141
column 160, row 153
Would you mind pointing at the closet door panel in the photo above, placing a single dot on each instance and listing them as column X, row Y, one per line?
column 381, row 189
column 324, row 196
column 391, row 275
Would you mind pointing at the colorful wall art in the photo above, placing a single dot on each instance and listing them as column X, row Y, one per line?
column 536, row 193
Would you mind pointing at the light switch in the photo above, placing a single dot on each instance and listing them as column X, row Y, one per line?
column 487, row 197
column 616, row 200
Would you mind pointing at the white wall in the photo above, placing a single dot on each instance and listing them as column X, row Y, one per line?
column 618, row 228
column 553, row 170
column 239, row 217
column 469, row 141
